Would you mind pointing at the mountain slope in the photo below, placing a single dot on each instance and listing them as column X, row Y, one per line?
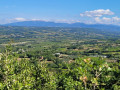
column 53, row 24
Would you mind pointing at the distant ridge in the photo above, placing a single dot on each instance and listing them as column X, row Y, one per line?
column 53, row 24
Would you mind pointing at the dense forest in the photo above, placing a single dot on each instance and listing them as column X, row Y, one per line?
column 58, row 58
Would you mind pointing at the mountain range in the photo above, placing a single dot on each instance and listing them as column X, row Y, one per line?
column 53, row 24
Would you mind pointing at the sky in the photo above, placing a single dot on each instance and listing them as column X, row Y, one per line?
column 68, row 11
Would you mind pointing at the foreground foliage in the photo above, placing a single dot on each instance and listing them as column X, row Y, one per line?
column 83, row 74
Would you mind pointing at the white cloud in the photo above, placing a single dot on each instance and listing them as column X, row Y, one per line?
column 106, row 20
column 20, row 19
column 35, row 19
column 97, row 13
column 101, row 16
column 97, row 19
column 116, row 19
column 103, row 20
